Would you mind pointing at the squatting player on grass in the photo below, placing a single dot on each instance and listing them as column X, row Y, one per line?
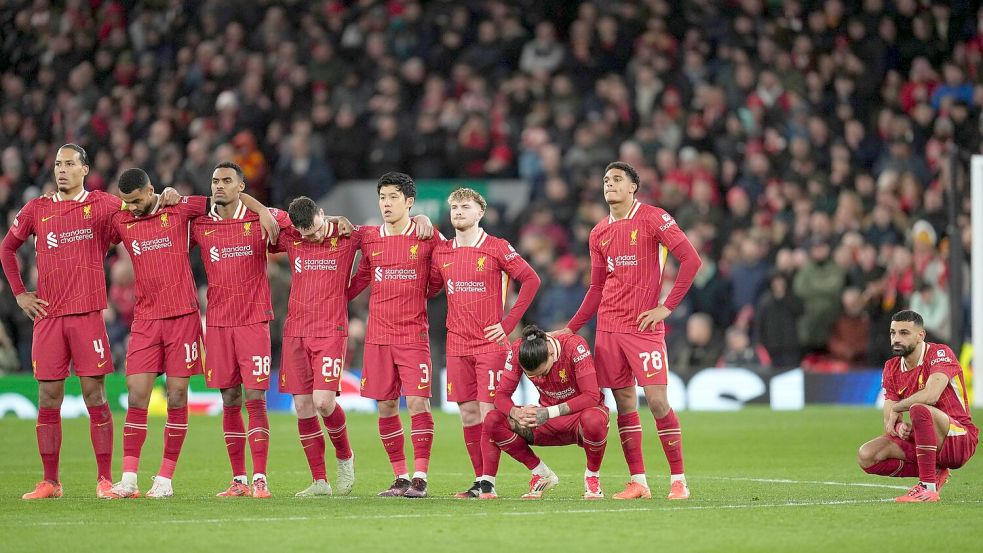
column 628, row 253
column 926, row 380
column 166, row 333
column 237, row 316
column 475, row 269
column 571, row 410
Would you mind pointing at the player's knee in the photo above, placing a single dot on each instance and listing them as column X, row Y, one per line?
column 231, row 397
column 594, row 424
column 865, row 458
column 659, row 407
column 493, row 420
column 920, row 411
column 325, row 405
column 177, row 399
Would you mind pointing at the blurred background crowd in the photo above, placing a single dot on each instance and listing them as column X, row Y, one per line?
column 803, row 145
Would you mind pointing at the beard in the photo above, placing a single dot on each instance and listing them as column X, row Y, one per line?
column 903, row 351
column 462, row 225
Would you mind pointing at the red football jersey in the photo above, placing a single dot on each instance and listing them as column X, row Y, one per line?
column 71, row 241
column 318, row 290
column 234, row 253
column 633, row 251
column 572, row 374
column 398, row 268
column 476, row 280
column 158, row 244
column 900, row 382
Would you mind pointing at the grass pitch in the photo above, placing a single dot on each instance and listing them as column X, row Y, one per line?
column 760, row 480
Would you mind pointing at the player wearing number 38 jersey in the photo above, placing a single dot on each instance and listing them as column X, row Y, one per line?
column 237, row 328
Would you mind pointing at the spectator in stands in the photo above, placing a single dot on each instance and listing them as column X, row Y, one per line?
column 848, row 339
column 741, row 353
column 775, row 321
column 818, row 284
column 700, row 349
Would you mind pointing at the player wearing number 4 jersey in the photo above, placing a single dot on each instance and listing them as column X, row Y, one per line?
column 237, row 330
column 72, row 235
column 396, row 261
column 474, row 269
column 166, row 334
column 925, row 380
column 628, row 253
column 315, row 338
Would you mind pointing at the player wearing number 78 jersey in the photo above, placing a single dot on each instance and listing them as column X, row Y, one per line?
column 237, row 316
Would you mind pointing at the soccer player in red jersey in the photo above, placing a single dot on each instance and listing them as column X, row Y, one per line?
column 571, row 410
column 237, row 317
column 474, row 269
column 628, row 252
column 396, row 262
column 925, row 380
column 165, row 336
column 72, row 237
column 315, row 338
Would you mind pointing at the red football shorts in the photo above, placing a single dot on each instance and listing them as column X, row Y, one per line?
column 76, row 340
column 238, row 355
column 475, row 377
column 957, row 447
column 166, row 346
column 624, row 359
column 312, row 363
column 391, row 371
column 563, row 430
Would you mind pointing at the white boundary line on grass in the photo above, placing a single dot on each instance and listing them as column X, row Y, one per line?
column 787, row 481
column 548, row 512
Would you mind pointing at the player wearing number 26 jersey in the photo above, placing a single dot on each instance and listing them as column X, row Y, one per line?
column 315, row 338
column 237, row 328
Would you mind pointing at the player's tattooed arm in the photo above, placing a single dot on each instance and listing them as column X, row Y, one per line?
column 524, row 431
column 544, row 414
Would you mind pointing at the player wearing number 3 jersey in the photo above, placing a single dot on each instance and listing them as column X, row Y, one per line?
column 628, row 253
column 237, row 328
column 315, row 338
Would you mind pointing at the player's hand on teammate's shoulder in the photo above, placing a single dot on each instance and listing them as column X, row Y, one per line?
column 345, row 227
column 271, row 229
column 169, row 197
column 652, row 317
column 559, row 332
column 424, row 227
column 32, row 305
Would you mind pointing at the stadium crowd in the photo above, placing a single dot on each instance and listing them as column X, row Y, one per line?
column 803, row 145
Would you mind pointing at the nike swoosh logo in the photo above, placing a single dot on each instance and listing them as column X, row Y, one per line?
column 210, row 232
column 297, row 242
column 190, row 365
column 169, row 435
column 901, row 391
column 375, row 253
column 264, row 379
column 43, row 219
column 491, row 394
column 307, row 446
column 260, row 440
column 446, row 265
column 605, row 242
column 130, row 434
column 422, row 386
column 650, row 375
column 103, row 363
column 328, row 379
column 672, row 443
column 130, row 225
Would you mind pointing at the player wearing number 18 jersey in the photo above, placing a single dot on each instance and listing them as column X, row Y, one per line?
column 474, row 269
column 237, row 331
column 628, row 252
column 72, row 235
column 315, row 338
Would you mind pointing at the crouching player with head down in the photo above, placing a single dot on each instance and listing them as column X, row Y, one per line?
column 571, row 411
column 925, row 380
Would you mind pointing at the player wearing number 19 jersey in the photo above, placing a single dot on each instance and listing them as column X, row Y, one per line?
column 628, row 252
column 237, row 316
column 72, row 236
column 474, row 269
column 315, row 338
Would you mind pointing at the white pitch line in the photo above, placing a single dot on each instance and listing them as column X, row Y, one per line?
column 549, row 512
column 815, row 482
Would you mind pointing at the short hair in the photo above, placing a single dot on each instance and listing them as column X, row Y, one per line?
column 534, row 350
column 132, row 180
column 231, row 165
column 403, row 182
column 628, row 169
column 908, row 316
column 83, row 157
column 468, row 194
column 302, row 212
